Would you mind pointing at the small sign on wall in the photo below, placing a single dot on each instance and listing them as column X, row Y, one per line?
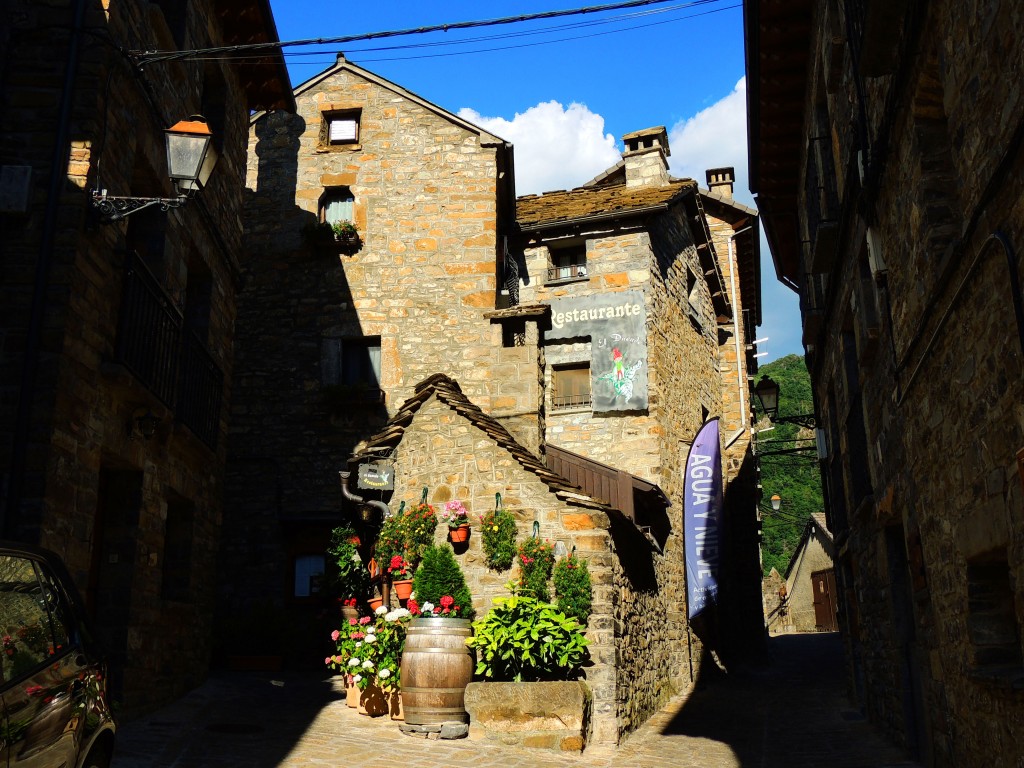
column 376, row 476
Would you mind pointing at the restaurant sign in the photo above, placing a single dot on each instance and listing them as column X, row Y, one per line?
column 376, row 476
column 617, row 326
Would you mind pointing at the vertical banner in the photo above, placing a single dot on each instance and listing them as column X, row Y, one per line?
column 617, row 326
column 702, row 519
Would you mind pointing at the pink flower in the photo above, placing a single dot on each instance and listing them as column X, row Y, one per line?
column 334, row 635
column 352, row 622
column 328, row 660
column 365, row 620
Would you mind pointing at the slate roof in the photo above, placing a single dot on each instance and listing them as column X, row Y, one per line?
column 448, row 392
column 564, row 206
column 819, row 520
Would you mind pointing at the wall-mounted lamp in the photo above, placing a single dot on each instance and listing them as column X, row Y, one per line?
column 190, row 162
column 776, row 502
column 767, row 391
column 143, row 423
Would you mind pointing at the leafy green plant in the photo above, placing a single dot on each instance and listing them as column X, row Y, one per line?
column 344, row 229
column 573, row 590
column 523, row 639
column 498, row 529
column 536, row 558
column 390, row 541
column 440, row 585
column 351, row 580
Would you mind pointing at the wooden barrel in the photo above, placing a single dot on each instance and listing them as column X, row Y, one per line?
column 436, row 668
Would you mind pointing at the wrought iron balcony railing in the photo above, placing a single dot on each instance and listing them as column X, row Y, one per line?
column 154, row 343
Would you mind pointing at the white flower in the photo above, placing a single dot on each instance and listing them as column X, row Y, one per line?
column 356, row 678
column 356, row 558
column 371, row 639
column 358, row 643
column 428, row 608
column 353, row 662
column 398, row 613
column 367, row 664
column 381, row 609
column 384, row 674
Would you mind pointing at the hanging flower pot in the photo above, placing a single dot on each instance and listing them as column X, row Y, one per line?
column 459, row 534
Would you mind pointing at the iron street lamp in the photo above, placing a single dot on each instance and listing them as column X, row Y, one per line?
column 190, row 161
column 767, row 391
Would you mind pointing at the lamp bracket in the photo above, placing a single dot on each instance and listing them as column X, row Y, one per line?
column 113, row 208
column 806, row 420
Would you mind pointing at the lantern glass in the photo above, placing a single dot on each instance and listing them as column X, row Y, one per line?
column 767, row 392
column 187, row 144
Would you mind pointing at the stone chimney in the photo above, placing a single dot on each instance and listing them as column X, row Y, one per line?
column 720, row 181
column 646, row 157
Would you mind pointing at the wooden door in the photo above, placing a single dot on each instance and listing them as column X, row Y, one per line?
column 824, row 585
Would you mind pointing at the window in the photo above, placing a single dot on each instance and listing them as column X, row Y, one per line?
column 32, row 623
column 570, row 385
column 177, row 567
column 991, row 618
column 339, row 128
column 309, row 572
column 693, row 297
column 337, row 205
column 353, row 364
column 568, row 262
column 513, row 333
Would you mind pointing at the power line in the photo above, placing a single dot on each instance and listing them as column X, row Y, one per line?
column 149, row 57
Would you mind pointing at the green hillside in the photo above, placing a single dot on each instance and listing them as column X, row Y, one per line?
column 793, row 476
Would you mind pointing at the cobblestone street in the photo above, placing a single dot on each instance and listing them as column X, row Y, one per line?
column 791, row 713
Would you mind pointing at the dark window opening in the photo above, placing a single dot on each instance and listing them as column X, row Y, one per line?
column 568, row 263
column 352, row 365
column 309, row 574
column 513, row 333
column 991, row 616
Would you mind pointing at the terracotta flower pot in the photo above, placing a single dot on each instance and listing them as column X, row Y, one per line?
column 373, row 701
column 376, row 602
column 403, row 588
column 459, row 535
column 352, row 694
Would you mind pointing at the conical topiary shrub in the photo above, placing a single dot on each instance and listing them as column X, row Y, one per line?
column 440, row 583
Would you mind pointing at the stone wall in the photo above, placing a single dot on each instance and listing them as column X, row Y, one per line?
column 96, row 491
column 918, row 377
column 812, row 558
column 455, row 459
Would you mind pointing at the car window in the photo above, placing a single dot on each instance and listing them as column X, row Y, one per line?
column 26, row 637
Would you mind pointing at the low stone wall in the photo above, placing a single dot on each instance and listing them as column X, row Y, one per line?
column 553, row 716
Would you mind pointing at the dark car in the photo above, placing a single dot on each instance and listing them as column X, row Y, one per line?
column 53, row 699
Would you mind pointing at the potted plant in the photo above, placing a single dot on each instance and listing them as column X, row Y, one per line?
column 340, row 235
column 437, row 665
column 456, row 517
column 573, row 590
column 345, row 644
column 351, row 579
column 536, row 559
column 400, row 573
column 531, row 653
column 418, row 524
column 499, row 536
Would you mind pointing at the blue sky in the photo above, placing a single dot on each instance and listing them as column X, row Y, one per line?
column 564, row 91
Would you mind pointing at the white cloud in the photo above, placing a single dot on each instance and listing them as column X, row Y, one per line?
column 555, row 147
column 715, row 137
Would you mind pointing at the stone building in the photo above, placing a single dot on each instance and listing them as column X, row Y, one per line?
column 810, row 582
column 885, row 146
column 116, row 336
column 448, row 342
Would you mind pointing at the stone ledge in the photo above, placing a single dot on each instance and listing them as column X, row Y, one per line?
column 550, row 715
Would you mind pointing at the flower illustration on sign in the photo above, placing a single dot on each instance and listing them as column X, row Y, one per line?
column 621, row 375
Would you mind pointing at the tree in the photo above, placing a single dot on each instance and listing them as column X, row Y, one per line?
column 795, row 477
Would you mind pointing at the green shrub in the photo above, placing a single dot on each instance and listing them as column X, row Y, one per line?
column 498, row 529
column 536, row 558
column 523, row 639
column 439, row 581
column 573, row 591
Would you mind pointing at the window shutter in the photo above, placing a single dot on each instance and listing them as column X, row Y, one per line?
column 343, row 130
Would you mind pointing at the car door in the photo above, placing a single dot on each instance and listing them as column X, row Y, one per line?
column 41, row 676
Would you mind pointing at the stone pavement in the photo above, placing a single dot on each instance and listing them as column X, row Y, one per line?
column 791, row 713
